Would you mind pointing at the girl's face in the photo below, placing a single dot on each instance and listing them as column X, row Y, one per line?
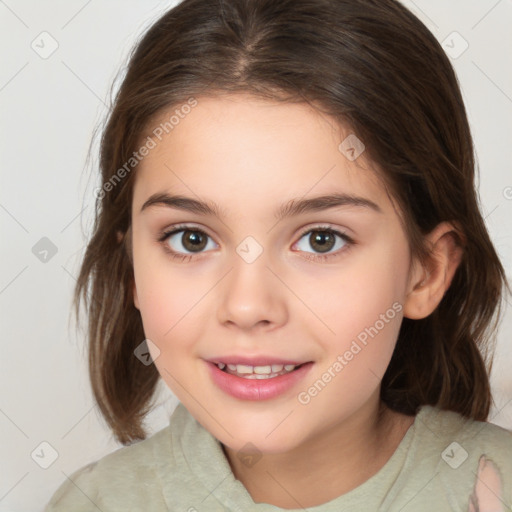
column 262, row 272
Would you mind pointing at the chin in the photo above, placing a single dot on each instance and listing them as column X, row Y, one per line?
column 257, row 434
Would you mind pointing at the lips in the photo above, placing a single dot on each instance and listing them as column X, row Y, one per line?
column 256, row 378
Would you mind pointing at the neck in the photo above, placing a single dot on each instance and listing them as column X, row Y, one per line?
column 332, row 463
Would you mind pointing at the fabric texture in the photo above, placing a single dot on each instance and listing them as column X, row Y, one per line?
column 444, row 463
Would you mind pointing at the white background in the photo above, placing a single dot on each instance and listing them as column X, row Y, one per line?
column 49, row 109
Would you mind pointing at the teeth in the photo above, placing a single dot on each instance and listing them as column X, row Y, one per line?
column 262, row 370
column 256, row 376
column 257, row 372
column 242, row 368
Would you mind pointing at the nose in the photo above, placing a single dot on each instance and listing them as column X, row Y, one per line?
column 252, row 296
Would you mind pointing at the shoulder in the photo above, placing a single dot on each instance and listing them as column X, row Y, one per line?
column 110, row 481
column 469, row 459
column 473, row 437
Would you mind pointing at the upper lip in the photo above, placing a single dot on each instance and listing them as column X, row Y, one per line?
column 254, row 361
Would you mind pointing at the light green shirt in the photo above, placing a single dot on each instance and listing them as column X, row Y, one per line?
column 182, row 468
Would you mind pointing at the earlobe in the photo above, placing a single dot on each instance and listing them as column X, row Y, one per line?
column 429, row 283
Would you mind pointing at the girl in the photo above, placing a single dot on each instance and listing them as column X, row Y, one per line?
column 288, row 234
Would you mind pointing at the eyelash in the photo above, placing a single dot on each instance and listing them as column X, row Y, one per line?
column 164, row 235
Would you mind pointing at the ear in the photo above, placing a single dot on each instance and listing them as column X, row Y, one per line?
column 428, row 284
column 126, row 239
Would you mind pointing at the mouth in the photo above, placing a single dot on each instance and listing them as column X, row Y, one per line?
column 257, row 379
column 261, row 372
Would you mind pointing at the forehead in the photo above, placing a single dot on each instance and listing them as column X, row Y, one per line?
column 253, row 152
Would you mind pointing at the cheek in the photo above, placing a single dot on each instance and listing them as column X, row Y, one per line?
column 361, row 294
column 365, row 315
column 166, row 301
column 362, row 308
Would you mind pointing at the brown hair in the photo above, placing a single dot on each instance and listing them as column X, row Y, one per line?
column 371, row 65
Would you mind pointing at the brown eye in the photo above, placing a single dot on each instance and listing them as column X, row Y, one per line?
column 193, row 240
column 322, row 241
column 186, row 241
column 325, row 242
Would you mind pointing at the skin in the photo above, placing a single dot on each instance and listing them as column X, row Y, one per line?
column 488, row 491
column 251, row 156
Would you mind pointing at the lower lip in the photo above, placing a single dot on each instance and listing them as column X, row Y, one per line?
column 257, row 389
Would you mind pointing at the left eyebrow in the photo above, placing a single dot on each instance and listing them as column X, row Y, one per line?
column 319, row 203
column 292, row 207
